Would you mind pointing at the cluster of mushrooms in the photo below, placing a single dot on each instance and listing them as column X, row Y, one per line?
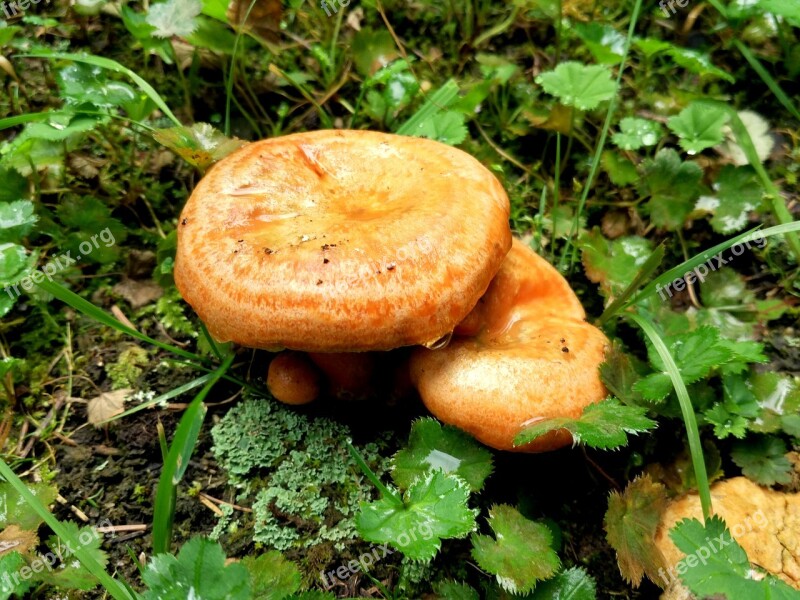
column 366, row 257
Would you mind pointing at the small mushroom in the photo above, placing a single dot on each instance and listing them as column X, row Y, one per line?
column 293, row 379
column 533, row 357
column 341, row 241
column 349, row 374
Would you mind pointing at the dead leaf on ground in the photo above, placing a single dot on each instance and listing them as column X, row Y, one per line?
column 14, row 539
column 264, row 20
column 138, row 293
column 106, row 405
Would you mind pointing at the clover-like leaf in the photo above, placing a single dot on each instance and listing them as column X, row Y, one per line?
column 635, row 133
column 433, row 508
column 431, row 446
column 725, row 423
column 199, row 570
column 673, row 186
column 699, row 126
column 631, row 522
column 575, row 84
column 605, row 425
column 447, row 127
column 763, row 460
column 521, row 552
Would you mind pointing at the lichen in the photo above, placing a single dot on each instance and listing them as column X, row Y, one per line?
column 303, row 484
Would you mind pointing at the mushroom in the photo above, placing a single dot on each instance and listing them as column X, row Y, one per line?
column 293, row 379
column 341, row 241
column 531, row 357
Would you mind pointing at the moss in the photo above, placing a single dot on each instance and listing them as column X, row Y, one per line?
column 128, row 368
column 306, row 487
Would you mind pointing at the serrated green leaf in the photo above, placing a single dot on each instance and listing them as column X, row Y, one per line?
column 14, row 511
column 619, row 375
column 697, row 62
column 201, row 145
column 621, row 171
column 605, row 43
column 434, row 508
column 784, row 8
column 738, row 192
column 763, row 460
column 613, row 264
column 603, row 425
column 16, row 220
column 635, row 133
column 198, row 569
column 631, row 522
column 699, row 126
column 572, row 584
column 72, row 574
column 725, row 423
column 673, row 186
column 82, row 83
column 520, row 554
column 272, row 577
column 575, row 84
column 776, row 397
column 452, row 590
column 431, row 446
column 447, row 127
column 174, row 17
column 10, row 564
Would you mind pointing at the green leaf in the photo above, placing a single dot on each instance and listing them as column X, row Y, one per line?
column 621, row 171
column 605, row 43
column 82, row 84
column 783, row 8
column 521, row 552
column 699, row 126
column 725, row 423
column 272, row 577
column 448, row 128
column 431, row 446
column 777, row 398
column 10, row 564
column 631, row 522
column 619, row 374
column 201, row 145
column 695, row 353
column 613, row 264
column 603, row 425
column 584, row 87
column 372, row 50
column 763, row 460
column 174, row 17
column 673, row 187
column 16, row 220
column 15, row 511
column 451, row 590
column 738, row 192
column 198, row 571
column 440, row 100
column 433, row 508
column 60, row 127
column 696, row 62
column 572, row 584
column 72, row 574
column 635, row 133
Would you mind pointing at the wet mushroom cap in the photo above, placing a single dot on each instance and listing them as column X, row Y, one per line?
column 340, row 241
column 533, row 358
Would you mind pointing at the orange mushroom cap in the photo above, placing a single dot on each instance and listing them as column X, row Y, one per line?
column 293, row 379
column 533, row 358
column 340, row 241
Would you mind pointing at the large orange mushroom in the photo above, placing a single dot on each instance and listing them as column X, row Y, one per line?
column 341, row 241
column 528, row 355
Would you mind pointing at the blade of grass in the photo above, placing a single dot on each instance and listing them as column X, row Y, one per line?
column 116, row 589
column 90, row 310
column 111, row 65
column 612, row 106
column 180, row 451
column 436, row 102
column 773, row 85
column 649, row 266
column 232, row 69
column 687, row 410
column 686, row 266
column 369, row 473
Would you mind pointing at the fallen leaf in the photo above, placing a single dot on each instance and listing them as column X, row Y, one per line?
column 14, row 539
column 106, row 405
column 138, row 293
column 263, row 21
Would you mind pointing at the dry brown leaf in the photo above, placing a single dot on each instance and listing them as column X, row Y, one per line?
column 138, row 293
column 14, row 539
column 106, row 406
column 263, row 21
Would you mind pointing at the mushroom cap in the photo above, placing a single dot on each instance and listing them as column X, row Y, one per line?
column 340, row 241
column 533, row 358
column 293, row 379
